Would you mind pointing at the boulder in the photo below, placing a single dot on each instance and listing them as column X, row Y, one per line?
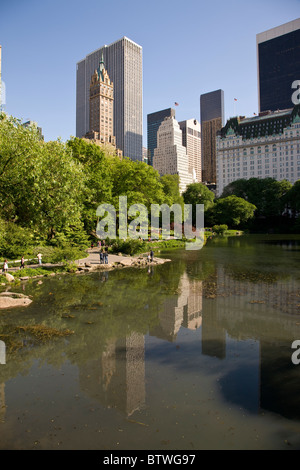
column 126, row 262
column 11, row 299
column 9, row 277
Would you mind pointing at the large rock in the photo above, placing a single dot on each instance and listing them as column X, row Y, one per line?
column 126, row 262
column 11, row 299
column 9, row 277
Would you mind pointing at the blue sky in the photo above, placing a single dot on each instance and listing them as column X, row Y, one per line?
column 189, row 48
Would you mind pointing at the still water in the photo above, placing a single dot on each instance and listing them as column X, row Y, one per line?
column 193, row 354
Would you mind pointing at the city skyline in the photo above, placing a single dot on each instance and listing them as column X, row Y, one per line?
column 123, row 62
column 47, row 62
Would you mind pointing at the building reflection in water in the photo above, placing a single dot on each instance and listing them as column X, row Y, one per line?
column 233, row 311
column 184, row 309
column 117, row 378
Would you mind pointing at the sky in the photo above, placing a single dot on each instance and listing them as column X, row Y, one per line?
column 189, row 48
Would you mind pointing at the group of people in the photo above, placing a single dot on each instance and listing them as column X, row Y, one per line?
column 104, row 256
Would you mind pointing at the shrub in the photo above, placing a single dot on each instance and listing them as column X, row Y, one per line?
column 128, row 247
column 220, row 229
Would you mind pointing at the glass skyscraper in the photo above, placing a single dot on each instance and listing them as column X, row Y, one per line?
column 123, row 62
column 278, row 65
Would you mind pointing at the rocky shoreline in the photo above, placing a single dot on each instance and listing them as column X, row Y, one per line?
column 92, row 262
column 89, row 264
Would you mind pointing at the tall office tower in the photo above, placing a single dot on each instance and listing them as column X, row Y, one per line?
column 278, row 65
column 123, row 61
column 101, row 106
column 154, row 120
column 191, row 139
column 212, row 118
column 170, row 157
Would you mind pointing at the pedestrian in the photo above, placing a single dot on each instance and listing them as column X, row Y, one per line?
column 99, row 244
column 101, row 257
column 5, row 266
column 39, row 257
column 22, row 263
column 106, row 255
column 92, row 245
column 151, row 255
column 148, row 258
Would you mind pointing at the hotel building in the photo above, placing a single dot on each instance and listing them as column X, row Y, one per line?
column 267, row 145
column 101, row 106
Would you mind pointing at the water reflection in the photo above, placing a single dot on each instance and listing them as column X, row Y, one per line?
column 117, row 378
column 240, row 319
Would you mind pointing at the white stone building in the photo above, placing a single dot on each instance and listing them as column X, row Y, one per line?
column 191, row 139
column 170, row 156
column 264, row 146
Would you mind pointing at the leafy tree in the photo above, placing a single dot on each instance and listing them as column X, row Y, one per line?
column 171, row 189
column 40, row 184
column 292, row 198
column 138, row 181
column 267, row 194
column 198, row 193
column 97, row 168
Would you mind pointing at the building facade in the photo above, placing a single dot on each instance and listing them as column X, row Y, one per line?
column 101, row 106
column 191, row 139
column 170, row 156
column 278, row 65
column 212, row 119
column 123, row 62
column 154, row 120
column 263, row 146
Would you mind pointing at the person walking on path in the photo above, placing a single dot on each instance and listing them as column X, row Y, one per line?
column 39, row 257
column 5, row 266
column 101, row 257
column 151, row 255
column 22, row 262
column 106, row 256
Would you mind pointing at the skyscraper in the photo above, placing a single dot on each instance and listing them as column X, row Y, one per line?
column 154, row 120
column 101, row 106
column 212, row 118
column 123, row 62
column 191, row 139
column 170, row 157
column 278, row 65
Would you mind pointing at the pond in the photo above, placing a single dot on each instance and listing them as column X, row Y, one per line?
column 193, row 354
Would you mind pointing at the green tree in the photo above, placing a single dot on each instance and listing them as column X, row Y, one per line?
column 40, row 184
column 232, row 211
column 97, row 167
column 198, row 193
column 138, row 181
column 171, row 189
column 267, row 194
